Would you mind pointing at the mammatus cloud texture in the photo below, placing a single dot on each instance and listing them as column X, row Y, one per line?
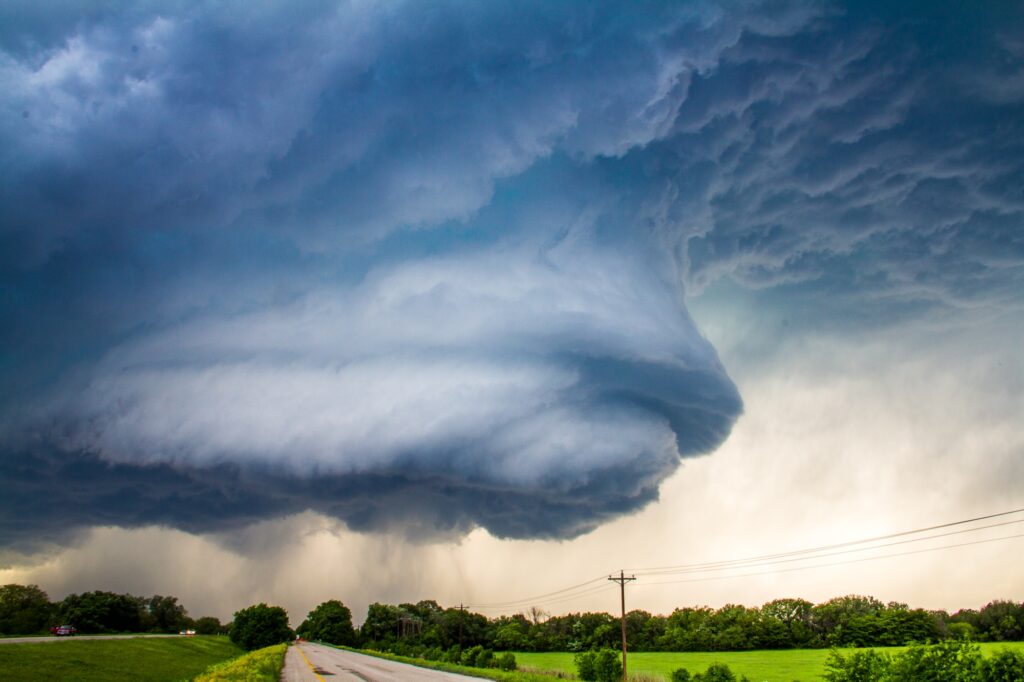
column 424, row 266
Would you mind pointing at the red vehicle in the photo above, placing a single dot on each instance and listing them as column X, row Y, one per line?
column 63, row 630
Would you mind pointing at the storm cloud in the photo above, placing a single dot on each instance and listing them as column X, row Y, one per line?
column 425, row 266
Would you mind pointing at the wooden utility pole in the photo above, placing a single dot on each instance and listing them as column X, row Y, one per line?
column 622, row 580
column 462, row 613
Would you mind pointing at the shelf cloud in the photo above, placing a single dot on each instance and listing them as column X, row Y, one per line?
column 424, row 267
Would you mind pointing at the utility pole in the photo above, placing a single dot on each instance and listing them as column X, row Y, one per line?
column 622, row 580
column 462, row 613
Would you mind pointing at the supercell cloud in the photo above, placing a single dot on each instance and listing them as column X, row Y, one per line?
column 425, row 266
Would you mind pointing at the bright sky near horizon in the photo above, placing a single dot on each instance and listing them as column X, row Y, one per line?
column 472, row 302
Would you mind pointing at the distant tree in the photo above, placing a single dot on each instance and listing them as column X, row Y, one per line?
column 208, row 625
column 260, row 626
column 24, row 610
column 101, row 612
column 329, row 622
column 510, row 636
column 381, row 623
column 165, row 614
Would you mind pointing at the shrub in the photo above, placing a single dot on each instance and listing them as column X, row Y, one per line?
column 860, row 666
column 681, row 675
column 716, row 672
column 507, row 661
column 585, row 666
column 483, row 659
column 454, row 654
column 607, row 666
column 469, row 655
column 260, row 626
column 951, row 661
column 1004, row 666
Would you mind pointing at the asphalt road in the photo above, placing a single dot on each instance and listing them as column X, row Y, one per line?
column 50, row 638
column 309, row 662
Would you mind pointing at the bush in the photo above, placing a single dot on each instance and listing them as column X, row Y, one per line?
column 507, row 661
column 263, row 665
column 952, row 661
column 585, row 666
column 716, row 672
column 469, row 655
column 483, row 659
column 607, row 666
column 681, row 675
column 260, row 626
column 860, row 666
column 1004, row 666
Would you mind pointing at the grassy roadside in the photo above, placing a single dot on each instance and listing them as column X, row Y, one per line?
column 262, row 665
column 151, row 659
column 485, row 673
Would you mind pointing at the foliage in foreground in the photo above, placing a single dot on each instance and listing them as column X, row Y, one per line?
column 120, row 660
column 599, row 666
column 716, row 672
column 262, row 665
column 260, row 626
column 952, row 661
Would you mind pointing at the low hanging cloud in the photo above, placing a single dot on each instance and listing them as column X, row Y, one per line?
column 423, row 266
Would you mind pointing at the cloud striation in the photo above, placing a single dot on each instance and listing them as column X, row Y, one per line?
column 424, row 266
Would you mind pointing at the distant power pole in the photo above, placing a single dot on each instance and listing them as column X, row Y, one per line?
column 462, row 612
column 622, row 580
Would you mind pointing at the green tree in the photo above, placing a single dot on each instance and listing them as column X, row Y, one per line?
column 260, row 626
column 101, row 612
column 24, row 610
column 165, row 614
column 380, row 625
column 329, row 622
column 208, row 625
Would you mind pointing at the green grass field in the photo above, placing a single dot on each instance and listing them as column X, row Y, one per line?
column 760, row 666
column 116, row 660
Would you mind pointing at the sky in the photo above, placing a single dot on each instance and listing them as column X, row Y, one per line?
column 478, row 301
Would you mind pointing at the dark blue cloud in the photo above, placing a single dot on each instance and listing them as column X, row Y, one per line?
column 427, row 263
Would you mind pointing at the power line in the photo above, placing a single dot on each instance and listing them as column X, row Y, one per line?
column 828, row 547
column 593, row 586
column 528, row 601
column 809, row 557
column 833, row 563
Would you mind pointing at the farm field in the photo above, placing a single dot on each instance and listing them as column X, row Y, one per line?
column 117, row 660
column 760, row 666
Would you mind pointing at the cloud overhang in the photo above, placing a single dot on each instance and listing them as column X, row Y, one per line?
column 425, row 266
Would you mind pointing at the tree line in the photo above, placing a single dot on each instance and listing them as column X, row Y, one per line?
column 27, row 610
column 427, row 628
column 848, row 621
